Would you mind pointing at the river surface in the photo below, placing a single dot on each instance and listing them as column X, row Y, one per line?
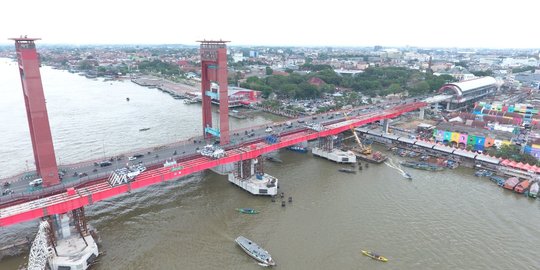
column 439, row 220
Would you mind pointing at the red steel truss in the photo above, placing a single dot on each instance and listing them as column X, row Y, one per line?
column 64, row 202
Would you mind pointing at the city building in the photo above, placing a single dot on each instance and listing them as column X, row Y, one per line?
column 467, row 92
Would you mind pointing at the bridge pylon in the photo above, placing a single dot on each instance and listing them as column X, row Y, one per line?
column 36, row 110
column 214, row 70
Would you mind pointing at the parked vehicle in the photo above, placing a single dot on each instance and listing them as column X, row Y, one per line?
column 36, row 182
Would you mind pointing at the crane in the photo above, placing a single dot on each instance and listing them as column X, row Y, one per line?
column 363, row 149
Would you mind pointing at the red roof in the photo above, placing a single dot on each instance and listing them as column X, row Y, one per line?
column 316, row 81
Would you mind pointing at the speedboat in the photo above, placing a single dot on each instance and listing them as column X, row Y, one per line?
column 407, row 175
column 374, row 256
column 255, row 251
column 247, row 211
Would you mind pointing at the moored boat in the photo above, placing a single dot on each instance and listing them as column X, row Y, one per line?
column 533, row 190
column 484, row 173
column 522, row 186
column 250, row 211
column 497, row 179
column 298, row 149
column 255, row 251
column 374, row 256
column 422, row 166
column 274, row 159
column 511, row 183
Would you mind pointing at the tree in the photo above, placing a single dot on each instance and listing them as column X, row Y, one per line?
column 269, row 71
column 481, row 73
column 420, row 88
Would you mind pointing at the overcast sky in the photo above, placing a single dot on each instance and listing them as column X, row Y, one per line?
column 423, row 23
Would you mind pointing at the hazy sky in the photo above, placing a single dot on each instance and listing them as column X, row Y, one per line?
column 455, row 23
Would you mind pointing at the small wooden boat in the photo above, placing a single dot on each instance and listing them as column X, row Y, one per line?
column 255, row 251
column 250, row 211
column 274, row 159
column 346, row 170
column 374, row 256
column 144, row 129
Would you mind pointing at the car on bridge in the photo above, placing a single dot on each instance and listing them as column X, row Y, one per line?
column 36, row 182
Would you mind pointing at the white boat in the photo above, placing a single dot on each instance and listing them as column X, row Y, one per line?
column 255, row 251
column 335, row 155
column 533, row 190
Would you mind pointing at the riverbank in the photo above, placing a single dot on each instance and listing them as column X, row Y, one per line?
column 176, row 90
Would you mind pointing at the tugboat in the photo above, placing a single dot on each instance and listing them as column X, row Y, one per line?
column 255, row 251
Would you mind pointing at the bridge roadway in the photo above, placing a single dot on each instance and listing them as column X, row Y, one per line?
column 55, row 200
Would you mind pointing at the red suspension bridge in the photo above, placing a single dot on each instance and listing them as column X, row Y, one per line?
column 62, row 200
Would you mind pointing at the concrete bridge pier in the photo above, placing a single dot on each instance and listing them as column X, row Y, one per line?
column 386, row 124
column 249, row 175
column 421, row 113
column 64, row 241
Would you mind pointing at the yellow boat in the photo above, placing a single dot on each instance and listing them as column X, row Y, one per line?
column 374, row 256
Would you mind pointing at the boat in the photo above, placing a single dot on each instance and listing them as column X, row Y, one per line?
column 250, row 211
column 407, row 175
column 346, row 170
column 484, row 173
column 274, row 159
column 511, row 183
column 422, row 166
column 374, row 256
column 521, row 187
column 144, row 129
column 255, row 251
column 533, row 190
column 497, row 179
column 298, row 149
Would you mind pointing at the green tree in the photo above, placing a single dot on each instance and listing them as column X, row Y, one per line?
column 420, row 88
column 269, row 71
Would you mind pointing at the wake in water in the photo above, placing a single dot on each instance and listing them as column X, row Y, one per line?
column 390, row 163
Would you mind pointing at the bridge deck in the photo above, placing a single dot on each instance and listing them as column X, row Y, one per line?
column 86, row 195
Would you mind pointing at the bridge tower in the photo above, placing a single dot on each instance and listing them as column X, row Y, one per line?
column 36, row 110
column 214, row 69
